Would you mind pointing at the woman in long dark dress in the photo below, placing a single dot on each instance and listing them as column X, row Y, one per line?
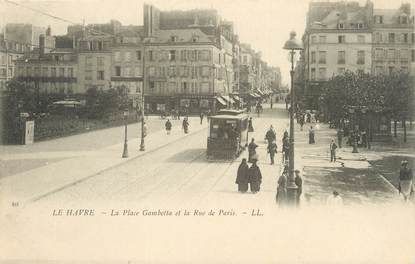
column 242, row 178
column 255, row 177
column 311, row 136
column 282, row 187
column 252, row 150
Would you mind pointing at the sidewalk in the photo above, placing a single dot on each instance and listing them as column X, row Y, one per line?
column 352, row 175
column 83, row 165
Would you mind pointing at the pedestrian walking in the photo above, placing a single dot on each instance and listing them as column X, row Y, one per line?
column 301, row 121
column 242, row 177
column 333, row 148
column 252, row 150
column 334, row 200
column 311, row 139
column 255, row 177
column 168, row 126
column 281, row 195
column 271, row 135
column 272, row 150
column 286, row 103
column 271, row 102
column 406, row 187
column 285, row 146
column 201, row 117
column 250, row 126
column 299, row 182
column 340, row 135
column 185, row 125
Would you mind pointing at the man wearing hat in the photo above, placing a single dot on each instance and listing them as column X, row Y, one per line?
column 299, row 182
column 405, row 180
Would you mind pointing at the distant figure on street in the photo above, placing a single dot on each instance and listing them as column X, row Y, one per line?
column 168, row 126
column 201, row 117
column 255, row 177
column 272, row 150
column 299, row 182
column 252, row 150
column 270, row 102
column 311, row 139
column 286, row 103
column 285, row 147
column 333, row 148
column 271, row 135
column 334, row 200
column 250, row 126
column 405, row 180
column 301, row 121
column 185, row 125
column 340, row 134
column 208, row 113
column 242, row 178
column 281, row 195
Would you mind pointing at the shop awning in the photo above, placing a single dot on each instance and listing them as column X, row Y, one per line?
column 236, row 98
column 221, row 100
column 254, row 95
column 228, row 99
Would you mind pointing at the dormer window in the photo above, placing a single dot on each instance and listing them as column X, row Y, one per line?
column 403, row 20
column 359, row 25
column 195, row 39
column 173, row 38
column 379, row 19
column 340, row 26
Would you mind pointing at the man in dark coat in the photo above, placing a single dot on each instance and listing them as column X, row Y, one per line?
column 333, row 148
column 185, row 125
column 405, row 180
column 250, row 126
column 272, row 150
column 311, row 139
column 270, row 136
column 282, row 187
column 242, row 178
column 285, row 146
column 252, row 150
column 168, row 126
column 255, row 177
column 299, row 182
column 201, row 117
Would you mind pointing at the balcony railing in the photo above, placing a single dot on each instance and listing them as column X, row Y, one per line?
column 47, row 79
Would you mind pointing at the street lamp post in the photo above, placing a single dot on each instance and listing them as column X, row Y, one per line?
column 125, row 152
column 292, row 45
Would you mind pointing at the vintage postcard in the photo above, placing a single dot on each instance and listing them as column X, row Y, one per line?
column 190, row 131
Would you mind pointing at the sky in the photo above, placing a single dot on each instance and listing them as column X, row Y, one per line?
column 265, row 24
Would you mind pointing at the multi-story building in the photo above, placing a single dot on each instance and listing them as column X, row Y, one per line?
column 188, row 60
column 247, row 73
column 393, row 40
column 338, row 37
column 94, row 62
column 342, row 36
column 15, row 41
column 48, row 69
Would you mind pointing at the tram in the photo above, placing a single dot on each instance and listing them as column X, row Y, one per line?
column 227, row 134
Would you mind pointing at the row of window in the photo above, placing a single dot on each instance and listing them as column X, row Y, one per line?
column 45, row 72
column 340, row 39
column 180, row 55
column 393, row 55
column 322, row 72
column 127, row 56
column 394, row 37
column 184, row 71
column 100, row 75
column 127, row 71
column 341, row 57
column 403, row 19
column 179, row 87
column 3, row 72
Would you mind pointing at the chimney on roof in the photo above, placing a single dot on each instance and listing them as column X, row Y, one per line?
column 48, row 31
column 41, row 45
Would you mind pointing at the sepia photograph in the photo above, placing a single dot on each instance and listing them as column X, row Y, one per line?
column 207, row 131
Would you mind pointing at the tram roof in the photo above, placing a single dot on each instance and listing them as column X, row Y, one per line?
column 236, row 117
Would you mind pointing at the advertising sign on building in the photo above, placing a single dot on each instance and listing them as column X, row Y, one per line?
column 29, row 132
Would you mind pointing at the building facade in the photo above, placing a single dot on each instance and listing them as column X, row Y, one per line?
column 393, row 41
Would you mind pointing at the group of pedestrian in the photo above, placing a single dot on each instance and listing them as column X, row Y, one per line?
column 272, row 147
column 185, row 126
column 249, row 177
column 281, row 196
